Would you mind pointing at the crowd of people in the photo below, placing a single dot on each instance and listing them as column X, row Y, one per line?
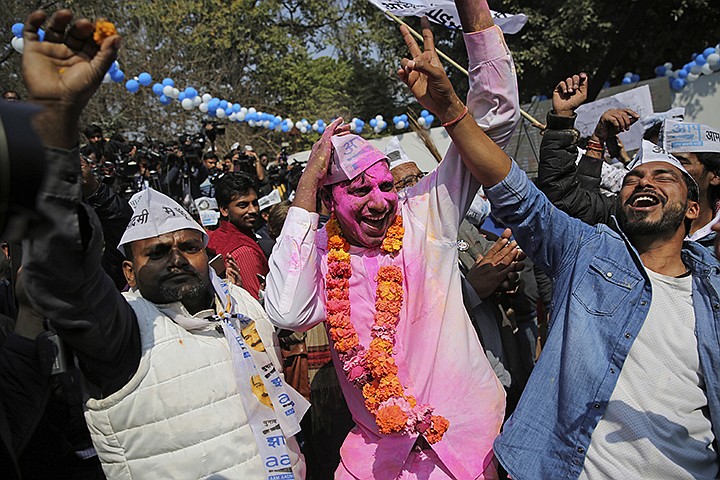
column 356, row 317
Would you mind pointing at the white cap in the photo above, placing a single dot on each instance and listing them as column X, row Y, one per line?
column 687, row 137
column 677, row 113
column 273, row 198
column 396, row 154
column 649, row 152
column 155, row 214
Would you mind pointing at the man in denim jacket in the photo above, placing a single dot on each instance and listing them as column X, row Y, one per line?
column 627, row 385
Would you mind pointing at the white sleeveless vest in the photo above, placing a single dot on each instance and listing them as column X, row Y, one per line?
column 181, row 416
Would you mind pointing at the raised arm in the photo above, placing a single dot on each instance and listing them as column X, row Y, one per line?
column 62, row 270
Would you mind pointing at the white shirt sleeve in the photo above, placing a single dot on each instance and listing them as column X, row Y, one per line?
column 294, row 297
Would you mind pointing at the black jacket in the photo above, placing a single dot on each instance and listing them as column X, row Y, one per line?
column 576, row 191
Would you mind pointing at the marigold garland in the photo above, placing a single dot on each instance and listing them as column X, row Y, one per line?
column 374, row 370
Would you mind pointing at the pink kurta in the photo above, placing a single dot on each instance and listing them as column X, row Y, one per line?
column 437, row 351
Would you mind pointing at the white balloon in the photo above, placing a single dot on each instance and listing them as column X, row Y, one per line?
column 669, row 73
column 692, row 77
column 18, row 44
column 175, row 93
column 266, row 123
column 244, row 110
column 251, row 123
column 107, row 78
column 695, row 69
column 377, row 129
column 401, row 125
column 303, row 129
column 187, row 104
column 315, row 126
column 251, row 110
column 240, row 116
column 220, row 113
column 713, row 59
column 706, row 69
column 233, row 117
column 168, row 91
column 421, row 121
column 668, row 66
column 378, row 117
column 203, row 107
column 197, row 101
column 715, row 67
column 298, row 124
column 206, row 98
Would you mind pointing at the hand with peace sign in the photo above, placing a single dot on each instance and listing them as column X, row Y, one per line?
column 426, row 77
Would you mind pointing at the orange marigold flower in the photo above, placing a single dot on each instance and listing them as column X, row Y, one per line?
column 337, row 319
column 333, row 227
column 337, row 334
column 336, row 242
column 411, row 400
column 103, row 30
column 390, row 291
column 338, row 294
column 396, row 231
column 391, row 245
column 337, row 306
column 338, row 256
column 347, row 344
column 388, row 387
column 339, row 269
column 382, row 345
column 385, row 306
column 383, row 318
column 390, row 273
column 438, row 428
column 336, row 283
column 390, row 419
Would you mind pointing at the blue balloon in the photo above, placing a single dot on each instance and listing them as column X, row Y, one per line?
column 117, row 76
column 429, row 119
column 373, row 122
column 708, row 51
column 321, row 122
column 424, row 113
column 168, row 82
column 360, row 122
column 404, row 118
column 157, row 89
column 181, row 96
column 223, row 104
column 229, row 110
column 17, row 30
column 358, row 130
column 212, row 112
column 321, row 128
column 115, row 66
column 191, row 93
column 660, row 71
column 682, row 73
column 213, row 104
column 626, row 81
column 272, row 126
column 237, row 107
column 700, row 60
column 677, row 84
column 396, row 119
column 285, row 128
column 278, row 119
column 635, row 78
column 693, row 56
column 132, row 85
column 165, row 100
column 41, row 34
column 145, row 79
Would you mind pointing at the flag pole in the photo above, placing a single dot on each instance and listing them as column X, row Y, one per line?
column 535, row 123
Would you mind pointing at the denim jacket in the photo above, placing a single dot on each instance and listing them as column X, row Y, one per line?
column 601, row 298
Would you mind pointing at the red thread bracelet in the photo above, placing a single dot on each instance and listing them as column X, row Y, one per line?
column 460, row 117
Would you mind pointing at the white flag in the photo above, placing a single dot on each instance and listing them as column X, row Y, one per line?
column 445, row 13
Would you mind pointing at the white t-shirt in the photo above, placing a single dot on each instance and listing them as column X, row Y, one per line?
column 657, row 422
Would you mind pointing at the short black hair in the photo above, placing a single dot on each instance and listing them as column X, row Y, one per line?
column 692, row 188
column 209, row 155
column 93, row 131
column 711, row 162
column 231, row 185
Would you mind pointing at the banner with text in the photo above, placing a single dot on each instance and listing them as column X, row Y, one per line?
column 445, row 13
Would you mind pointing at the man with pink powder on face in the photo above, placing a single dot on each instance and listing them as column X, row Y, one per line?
column 383, row 275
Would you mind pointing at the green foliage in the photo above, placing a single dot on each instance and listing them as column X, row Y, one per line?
column 318, row 59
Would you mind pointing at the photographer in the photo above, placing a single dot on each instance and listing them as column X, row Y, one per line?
column 185, row 169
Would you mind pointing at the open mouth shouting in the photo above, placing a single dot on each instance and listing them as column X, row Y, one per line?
column 644, row 201
column 375, row 225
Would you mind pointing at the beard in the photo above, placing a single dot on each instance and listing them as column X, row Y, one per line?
column 635, row 223
column 193, row 293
